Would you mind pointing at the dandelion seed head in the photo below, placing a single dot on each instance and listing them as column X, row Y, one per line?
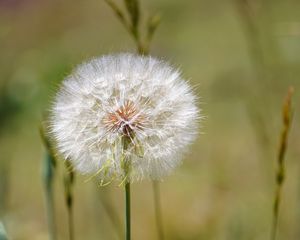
column 113, row 97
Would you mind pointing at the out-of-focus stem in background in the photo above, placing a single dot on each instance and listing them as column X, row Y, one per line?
column 48, row 173
column 158, row 210
column 111, row 212
column 280, row 175
column 248, row 11
column 133, row 24
column 69, row 178
column 4, row 186
column 248, row 16
column 10, row 107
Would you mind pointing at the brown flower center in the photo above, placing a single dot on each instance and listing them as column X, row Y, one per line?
column 125, row 119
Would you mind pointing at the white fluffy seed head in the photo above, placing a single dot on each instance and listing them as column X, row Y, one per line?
column 114, row 97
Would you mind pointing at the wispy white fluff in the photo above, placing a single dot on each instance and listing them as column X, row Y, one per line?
column 124, row 95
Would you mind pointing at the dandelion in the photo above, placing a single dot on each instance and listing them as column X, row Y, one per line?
column 124, row 117
column 124, row 112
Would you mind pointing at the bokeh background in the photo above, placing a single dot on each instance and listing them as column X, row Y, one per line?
column 240, row 55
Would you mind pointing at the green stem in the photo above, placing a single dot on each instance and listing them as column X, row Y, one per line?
column 69, row 198
column 48, row 175
column 50, row 214
column 276, row 212
column 126, row 166
column 127, row 212
column 280, row 176
column 158, row 211
column 71, row 222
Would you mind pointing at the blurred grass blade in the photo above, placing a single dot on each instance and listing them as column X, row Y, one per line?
column 133, row 10
column 119, row 13
column 49, row 165
column 111, row 212
column 3, row 234
column 248, row 14
column 158, row 210
column 48, row 176
column 152, row 24
column 69, row 178
column 280, row 176
column 4, row 185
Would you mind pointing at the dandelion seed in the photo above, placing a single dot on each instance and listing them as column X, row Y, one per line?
column 140, row 98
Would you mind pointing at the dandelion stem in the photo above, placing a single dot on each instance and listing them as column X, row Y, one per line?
column 133, row 10
column 158, row 210
column 126, row 166
column 127, row 212
column 280, row 176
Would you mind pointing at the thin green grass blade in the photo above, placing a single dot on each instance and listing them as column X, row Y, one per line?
column 48, row 172
column 69, row 198
column 48, row 176
column 158, row 210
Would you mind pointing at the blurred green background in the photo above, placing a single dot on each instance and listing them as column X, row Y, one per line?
column 241, row 55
